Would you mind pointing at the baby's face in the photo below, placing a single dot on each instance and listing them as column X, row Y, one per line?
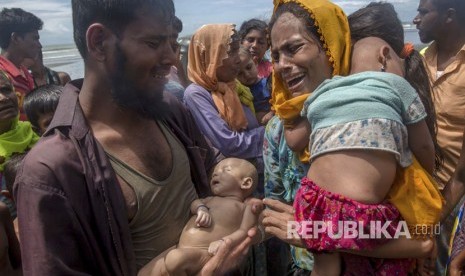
column 44, row 121
column 227, row 177
column 248, row 73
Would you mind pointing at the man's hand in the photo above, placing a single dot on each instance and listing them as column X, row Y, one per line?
column 276, row 220
column 227, row 256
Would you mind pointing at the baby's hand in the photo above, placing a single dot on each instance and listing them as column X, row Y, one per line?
column 267, row 117
column 203, row 217
column 213, row 248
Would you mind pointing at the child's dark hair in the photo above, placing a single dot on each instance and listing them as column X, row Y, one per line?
column 253, row 24
column 42, row 100
column 16, row 20
column 379, row 19
column 10, row 169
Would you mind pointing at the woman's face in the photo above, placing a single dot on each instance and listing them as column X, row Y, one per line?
column 298, row 56
column 255, row 42
column 229, row 69
column 8, row 100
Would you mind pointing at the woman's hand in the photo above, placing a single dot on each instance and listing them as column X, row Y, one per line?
column 228, row 257
column 457, row 266
column 275, row 220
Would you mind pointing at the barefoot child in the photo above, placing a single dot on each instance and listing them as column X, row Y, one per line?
column 226, row 215
column 362, row 128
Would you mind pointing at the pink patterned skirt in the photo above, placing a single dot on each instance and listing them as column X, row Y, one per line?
column 336, row 215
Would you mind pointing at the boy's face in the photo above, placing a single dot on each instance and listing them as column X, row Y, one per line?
column 30, row 44
column 248, row 73
column 227, row 178
column 44, row 121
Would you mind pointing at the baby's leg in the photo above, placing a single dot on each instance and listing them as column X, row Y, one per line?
column 327, row 264
column 186, row 261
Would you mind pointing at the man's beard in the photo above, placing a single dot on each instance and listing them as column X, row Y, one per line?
column 148, row 104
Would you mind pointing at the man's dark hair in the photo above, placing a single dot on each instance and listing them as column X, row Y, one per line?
column 42, row 100
column 18, row 21
column 10, row 169
column 253, row 24
column 457, row 5
column 114, row 14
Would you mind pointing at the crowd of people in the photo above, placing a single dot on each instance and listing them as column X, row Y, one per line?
column 341, row 155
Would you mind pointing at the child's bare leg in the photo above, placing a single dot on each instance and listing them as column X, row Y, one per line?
column 399, row 248
column 186, row 261
column 327, row 264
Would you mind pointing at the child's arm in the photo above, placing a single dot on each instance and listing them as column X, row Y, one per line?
column 399, row 248
column 265, row 118
column 14, row 251
column 421, row 144
column 297, row 137
column 199, row 208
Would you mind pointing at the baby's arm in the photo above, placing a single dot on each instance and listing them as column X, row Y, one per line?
column 199, row 208
column 421, row 144
column 399, row 248
column 297, row 137
column 265, row 118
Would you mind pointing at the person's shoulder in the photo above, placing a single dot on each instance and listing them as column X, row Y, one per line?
column 194, row 88
column 50, row 153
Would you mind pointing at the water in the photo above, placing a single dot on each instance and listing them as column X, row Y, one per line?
column 66, row 57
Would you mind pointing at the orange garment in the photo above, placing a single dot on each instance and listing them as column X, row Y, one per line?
column 208, row 48
column 333, row 28
column 449, row 102
column 417, row 197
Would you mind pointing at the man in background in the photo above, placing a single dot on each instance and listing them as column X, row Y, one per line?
column 107, row 190
column 441, row 22
column 19, row 39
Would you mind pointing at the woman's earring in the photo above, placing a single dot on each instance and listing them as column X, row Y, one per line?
column 383, row 69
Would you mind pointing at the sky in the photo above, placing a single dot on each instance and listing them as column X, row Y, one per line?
column 58, row 28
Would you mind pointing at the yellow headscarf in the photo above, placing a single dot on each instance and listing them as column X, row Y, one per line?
column 333, row 27
column 208, row 48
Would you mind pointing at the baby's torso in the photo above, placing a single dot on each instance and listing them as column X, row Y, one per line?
column 359, row 133
column 226, row 217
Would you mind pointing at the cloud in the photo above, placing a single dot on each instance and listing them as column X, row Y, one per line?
column 57, row 16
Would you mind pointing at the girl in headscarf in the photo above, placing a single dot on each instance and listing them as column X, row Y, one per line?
column 254, row 37
column 222, row 108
